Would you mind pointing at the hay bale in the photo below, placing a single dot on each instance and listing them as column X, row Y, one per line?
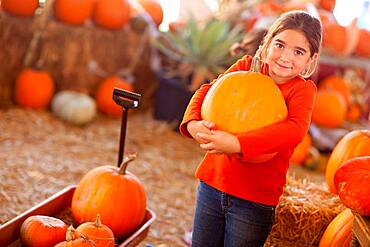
column 15, row 36
column 304, row 211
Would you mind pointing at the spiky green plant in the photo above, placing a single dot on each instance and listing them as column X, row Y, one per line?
column 202, row 51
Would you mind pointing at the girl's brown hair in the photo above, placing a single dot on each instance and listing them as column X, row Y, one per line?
column 300, row 21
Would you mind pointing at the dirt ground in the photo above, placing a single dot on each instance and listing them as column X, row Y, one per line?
column 40, row 155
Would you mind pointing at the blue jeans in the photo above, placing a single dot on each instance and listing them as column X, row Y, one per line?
column 225, row 220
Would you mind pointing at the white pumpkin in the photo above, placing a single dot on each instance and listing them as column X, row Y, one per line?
column 73, row 107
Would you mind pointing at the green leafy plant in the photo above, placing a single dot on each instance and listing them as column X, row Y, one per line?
column 198, row 51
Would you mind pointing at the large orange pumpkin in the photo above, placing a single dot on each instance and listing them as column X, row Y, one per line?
column 104, row 95
column 112, row 14
column 24, row 8
column 42, row 231
column 244, row 101
column 352, row 181
column 335, row 38
column 354, row 144
column 154, row 9
column 74, row 12
column 115, row 194
column 363, row 49
column 330, row 109
column 339, row 231
column 302, row 150
column 334, row 82
column 97, row 232
column 34, row 89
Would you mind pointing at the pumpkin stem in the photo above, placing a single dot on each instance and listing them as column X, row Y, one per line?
column 128, row 159
column 256, row 64
column 98, row 221
column 70, row 235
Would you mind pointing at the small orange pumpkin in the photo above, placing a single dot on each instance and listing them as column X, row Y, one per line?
column 115, row 194
column 73, row 240
column 100, row 234
column 334, row 82
column 241, row 101
column 104, row 95
column 330, row 109
column 154, row 9
column 301, row 151
column 74, row 12
column 112, row 14
column 354, row 144
column 352, row 181
column 363, row 49
column 34, row 89
column 339, row 231
column 42, row 231
column 25, row 8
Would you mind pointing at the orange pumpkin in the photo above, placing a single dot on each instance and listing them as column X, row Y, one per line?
column 104, row 95
column 24, row 8
column 354, row 144
column 352, row 181
column 154, row 9
column 73, row 240
column 100, row 234
column 339, row 231
column 335, row 38
column 329, row 109
column 34, row 89
column 112, row 14
column 334, row 82
column 42, row 231
column 301, row 151
column 115, row 194
column 327, row 4
column 241, row 101
column 74, row 12
column 363, row 49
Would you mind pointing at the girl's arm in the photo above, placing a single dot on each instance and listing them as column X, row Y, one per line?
column 193, row 110
column 284, row 135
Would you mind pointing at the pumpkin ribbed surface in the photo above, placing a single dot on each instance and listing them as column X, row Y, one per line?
column 354, row 144
column 119, row 199
column 242, row 101
column 97, row 232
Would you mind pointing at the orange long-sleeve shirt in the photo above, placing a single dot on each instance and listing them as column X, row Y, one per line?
column 258, row 182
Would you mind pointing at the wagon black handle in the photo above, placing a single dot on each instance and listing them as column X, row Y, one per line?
column 128, row 100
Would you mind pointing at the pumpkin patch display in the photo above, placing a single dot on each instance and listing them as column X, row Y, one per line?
column 42, row 231
column 352, row 181
column 330, row 109
column 339, row 231
column 100, row 234
column 154, row 9
column 34, row 89
column 104, row 95
column 237, row 104
column 354, row 144
column 74, row 12
column 113, row 14
column 24, row 8
column 115, row 194
column 73, row 107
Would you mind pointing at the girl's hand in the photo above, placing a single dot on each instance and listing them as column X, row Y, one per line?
column 219, row 142
column 194, row 127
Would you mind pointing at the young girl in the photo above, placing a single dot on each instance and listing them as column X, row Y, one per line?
column 236, row 199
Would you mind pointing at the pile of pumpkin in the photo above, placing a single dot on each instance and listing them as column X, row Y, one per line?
column 112, row 14
column 348, row 175
column 108, row 204
column 36, row 89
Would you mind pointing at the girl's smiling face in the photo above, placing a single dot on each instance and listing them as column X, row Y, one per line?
column 288, row 55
